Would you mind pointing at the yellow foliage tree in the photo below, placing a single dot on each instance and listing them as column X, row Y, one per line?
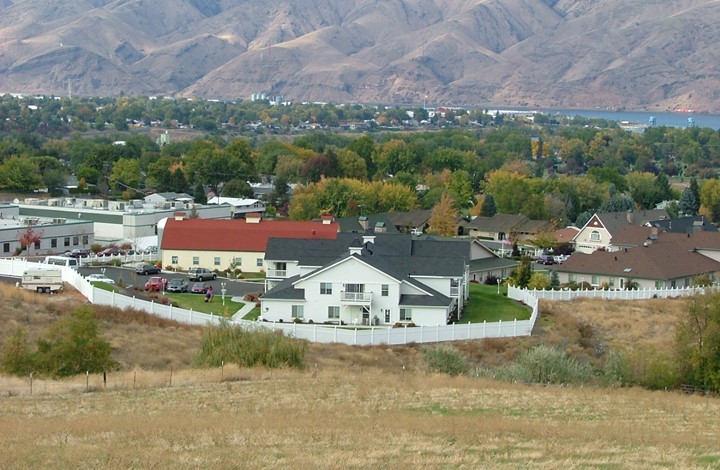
column 443, row 217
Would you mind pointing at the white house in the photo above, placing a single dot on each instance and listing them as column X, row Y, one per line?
column 382, row 279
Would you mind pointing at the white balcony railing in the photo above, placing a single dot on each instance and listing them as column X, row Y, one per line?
column 454, row 291
column 356, row 297
column 276, row 273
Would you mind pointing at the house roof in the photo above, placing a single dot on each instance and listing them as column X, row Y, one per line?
column 233, row 201
column 616, row 221
column 507, row 223
column 566, row 234
column 171, row 196
column 487, row 264
column 286, row 290
column 238, row 234
column 671, row 256
column 408, row 255
column 352, row 224
column 687, row 224
column 414, row 218
column 632, row 235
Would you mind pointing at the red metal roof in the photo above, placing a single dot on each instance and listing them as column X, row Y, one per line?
column 237, row 234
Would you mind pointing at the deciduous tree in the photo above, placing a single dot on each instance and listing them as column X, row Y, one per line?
column 443, row 217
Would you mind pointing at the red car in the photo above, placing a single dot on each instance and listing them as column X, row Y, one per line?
column 156, row 283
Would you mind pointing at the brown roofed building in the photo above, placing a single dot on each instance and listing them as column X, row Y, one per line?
column 506, row 226
column 599, row 231
column 662, row 261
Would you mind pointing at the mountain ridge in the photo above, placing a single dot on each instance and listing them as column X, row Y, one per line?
column 552, row 53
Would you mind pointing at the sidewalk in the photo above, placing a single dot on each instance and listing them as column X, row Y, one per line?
column 247, row 306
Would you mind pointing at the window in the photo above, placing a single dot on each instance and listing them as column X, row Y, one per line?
column 333, row 312
column 76, row 241
column 385, row 290
column 66, row 241
column 259, row 262
column 85, row 239
column 238, row 261
column 595, row 280
column 196, row 260
column 37, row 245
column 298, row 311
column 595, row 236
column 355, row 288
column 217, row 261
column 53, row 243
column 572, row 277
column 174, row 260
column 405, row 314
column 325, row 288
column 387, row 315
column 6, row 247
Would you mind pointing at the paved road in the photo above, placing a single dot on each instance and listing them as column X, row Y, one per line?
column 130, row 278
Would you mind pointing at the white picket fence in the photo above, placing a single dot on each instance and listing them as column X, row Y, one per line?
column 637, row 294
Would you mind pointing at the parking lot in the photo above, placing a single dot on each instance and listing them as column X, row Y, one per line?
column 130, row 278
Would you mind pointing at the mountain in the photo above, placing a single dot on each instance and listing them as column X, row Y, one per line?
column 650, row 55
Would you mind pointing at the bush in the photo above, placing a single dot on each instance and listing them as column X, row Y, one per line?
column 71, row 345
column 542, row 364
column 444, row 359
column 249, row 347
column 491, row 280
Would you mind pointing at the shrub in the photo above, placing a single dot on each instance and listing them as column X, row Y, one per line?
column 491, row 280
column 542, row 364
column 249, row 347
column 16, row 358
column 445, row 359
column 71, row 345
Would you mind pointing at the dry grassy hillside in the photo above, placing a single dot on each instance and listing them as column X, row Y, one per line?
column 368, row 407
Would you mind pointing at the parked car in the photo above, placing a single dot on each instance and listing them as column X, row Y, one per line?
column 177, row 285
column 200, row 288
column 545, row 259
column 78, row 253
column 146, row 268
column 112, row 251
column 156, row 283
column 201, row 274
column 99, row 278
column 151, row 250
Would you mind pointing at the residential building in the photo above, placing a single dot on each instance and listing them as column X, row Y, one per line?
column 239, row 206
column 231, row 244
column 661, row 260
column 598, row 232
column 485, row 263
column 518, row 228
column 379, row 279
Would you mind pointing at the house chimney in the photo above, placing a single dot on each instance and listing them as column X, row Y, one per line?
column 253, row 218
column 179, row 215
column 363, row 221
column 630, row 217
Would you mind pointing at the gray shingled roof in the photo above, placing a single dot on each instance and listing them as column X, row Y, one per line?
column 285, row 290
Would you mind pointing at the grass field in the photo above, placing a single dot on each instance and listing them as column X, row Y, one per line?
column 351, row 407
column 486, row 305
column 197, row 303
column 358, row 418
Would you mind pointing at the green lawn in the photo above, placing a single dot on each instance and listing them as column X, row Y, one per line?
column 105, row 286
column 486, row 305
column 197, row 303
column 252, row 314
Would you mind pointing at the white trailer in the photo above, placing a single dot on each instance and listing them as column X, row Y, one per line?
column 42, row 280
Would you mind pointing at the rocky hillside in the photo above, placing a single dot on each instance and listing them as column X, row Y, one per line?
column 651, row 55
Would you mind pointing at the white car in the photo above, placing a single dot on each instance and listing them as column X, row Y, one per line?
column 99, row 278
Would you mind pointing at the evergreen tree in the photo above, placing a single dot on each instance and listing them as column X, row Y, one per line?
column 695, row 188
column 489, row 208
column 664, row 192
column 554, row 279
column 689, row 205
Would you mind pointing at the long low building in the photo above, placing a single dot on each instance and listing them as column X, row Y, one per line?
column 237, row 244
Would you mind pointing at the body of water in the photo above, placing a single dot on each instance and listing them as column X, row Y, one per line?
column 661, row 119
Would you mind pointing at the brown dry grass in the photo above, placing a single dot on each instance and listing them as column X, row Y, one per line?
column 330, row 418
column 369, row 407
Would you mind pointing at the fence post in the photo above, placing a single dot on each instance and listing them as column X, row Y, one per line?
column 171, row 310
column 191, row 322
column 515, row 327
column 484, row 329
column 389, row 329
column 452, row 328
column 437, row 333
column 405, row 334
column 355, row 337
column 315, row 333
column 335, row 335
column 469, row 330
column 421, row 333
column 372, row 336
column 499, row 328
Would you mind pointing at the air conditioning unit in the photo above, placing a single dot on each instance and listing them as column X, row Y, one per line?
column 59, row 220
